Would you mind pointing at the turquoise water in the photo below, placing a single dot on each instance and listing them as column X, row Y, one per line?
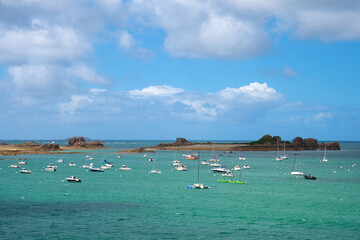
column 137, row 205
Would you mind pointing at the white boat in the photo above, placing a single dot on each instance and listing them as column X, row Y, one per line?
column 22, row 163
column 214, row 159
column 73, row 179
column 181, row 167
column 72, row 164
column 151, row 159
column 221, row 170
column 14, row 166
column 237, row 168
column 60, row 161
column 145, row 155
column 246, row 166
column 241, row 157
column 215, row 165
column 295, row 166
column 119, row 156
column 89, row 157
column 325, row 159
column 85, row 166
column 205, row 162
column 25, row 171
column 176, row 163
column 96, row 169
column 277, row 157
column 155, row 171
column 105, row 167
column 198, row 185
column 125, row 168
column 91, row 168
column 228, row 174
column 284, row 156
column 50, row 169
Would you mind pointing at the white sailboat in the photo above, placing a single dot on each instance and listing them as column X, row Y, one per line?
column 277, row 157
column 241, row 157
column 154, row 170
column 325, row 159
column 198, row 185
column 295, row 167
column 284, row 156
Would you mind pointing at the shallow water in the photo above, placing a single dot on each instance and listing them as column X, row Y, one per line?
column 137, row 205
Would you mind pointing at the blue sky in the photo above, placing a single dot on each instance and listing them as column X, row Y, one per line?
column 199, row 69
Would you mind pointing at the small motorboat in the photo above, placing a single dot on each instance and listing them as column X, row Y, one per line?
column 72, row 164
column 14, row 166
column 151, row 159
column 246, row 166
column 227, row 175
column 198, row 186
column 309, row 177
column 73, row 179
column 215, row 165
column 181, row 167
column 95, row 169
column 60, row 161
column 176, row 163
column 221, row 170
column 242, row 158
column 214, row 159
column 105, row 167
column 22, row 163
column 50, row 169
column 297, row 173
column 145, row 155
column 237, row 168
column 89, row 157
column 85, row 166
column 125, row 168
column 205, row 162
column 155, row 171
column 25, row 171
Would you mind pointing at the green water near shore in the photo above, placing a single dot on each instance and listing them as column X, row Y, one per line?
column 138, row 205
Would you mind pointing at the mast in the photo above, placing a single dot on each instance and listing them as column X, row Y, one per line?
column 198, row 176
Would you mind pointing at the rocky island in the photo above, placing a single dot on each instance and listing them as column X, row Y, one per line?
column 74, row 143
column 266, row 143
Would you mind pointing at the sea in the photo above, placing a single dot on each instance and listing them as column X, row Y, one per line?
column 136, row 204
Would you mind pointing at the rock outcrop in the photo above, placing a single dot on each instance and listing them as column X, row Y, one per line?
column 178, row 142
column 48, row 147
column 82, row 143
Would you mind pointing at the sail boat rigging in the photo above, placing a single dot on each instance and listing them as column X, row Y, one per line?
column 325, row 159
column 277, row 157
column 198, row 185
column 295, row 167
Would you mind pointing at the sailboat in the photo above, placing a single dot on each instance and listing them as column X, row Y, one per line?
column 154, row 170
column 284, row 156
column 198, row 185
column 277, row 158
column 241, row 157
column 296, row 172
column 325, row 159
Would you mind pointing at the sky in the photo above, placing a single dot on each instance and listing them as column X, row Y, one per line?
column 199, row 69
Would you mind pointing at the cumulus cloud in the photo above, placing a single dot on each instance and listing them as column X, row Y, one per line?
column 254, row 98
column 159, row 91
column 41, row 43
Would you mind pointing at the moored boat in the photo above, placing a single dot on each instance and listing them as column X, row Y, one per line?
column 73, row 179
column 25, row 171
column 124, row 168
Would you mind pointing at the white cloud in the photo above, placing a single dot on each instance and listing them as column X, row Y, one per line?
column 253, row 93
column 97, row 90
column 159, row 91
column 126, row 41
column 40, row 44
column 323, row 115
column 87, row 74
